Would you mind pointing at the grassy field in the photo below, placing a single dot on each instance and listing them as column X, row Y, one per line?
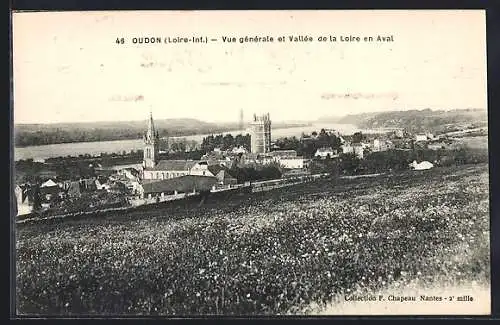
column 479, row 142
column 279, row 252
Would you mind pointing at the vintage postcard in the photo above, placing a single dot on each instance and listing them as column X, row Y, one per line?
column 243, row 163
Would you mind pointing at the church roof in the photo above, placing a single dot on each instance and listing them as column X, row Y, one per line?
column 174, row 165
column 185, row 184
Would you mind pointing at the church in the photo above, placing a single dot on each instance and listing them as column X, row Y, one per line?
column 155, row 169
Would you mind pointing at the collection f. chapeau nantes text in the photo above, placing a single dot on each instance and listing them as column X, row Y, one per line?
column 399, row 298
column 253, row 39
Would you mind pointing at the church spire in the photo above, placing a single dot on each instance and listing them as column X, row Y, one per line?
column 151, row 133
column 151, row 145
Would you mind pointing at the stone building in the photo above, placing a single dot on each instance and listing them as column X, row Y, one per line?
column 260, row 132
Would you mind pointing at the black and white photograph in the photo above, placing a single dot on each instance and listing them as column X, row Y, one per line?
column 250, row 163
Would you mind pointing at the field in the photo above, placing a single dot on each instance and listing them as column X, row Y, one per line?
column 479, row 142
column 279, row 252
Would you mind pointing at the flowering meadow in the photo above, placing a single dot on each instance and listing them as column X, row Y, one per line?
column 268, row 253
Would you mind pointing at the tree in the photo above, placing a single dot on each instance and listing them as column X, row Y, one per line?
column 357, row 137
column 37, row 201
column 349, row 163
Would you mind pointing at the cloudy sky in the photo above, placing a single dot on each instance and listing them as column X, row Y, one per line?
column 68, row 67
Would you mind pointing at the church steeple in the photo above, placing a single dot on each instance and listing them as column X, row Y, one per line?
column 151, row 132
column 151, row 139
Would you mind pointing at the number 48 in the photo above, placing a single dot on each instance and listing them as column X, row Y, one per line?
column 120, row 40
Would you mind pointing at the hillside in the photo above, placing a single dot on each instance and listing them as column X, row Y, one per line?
column 271, row 253
column 414, row 120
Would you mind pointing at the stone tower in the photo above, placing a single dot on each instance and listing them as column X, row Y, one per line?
column 260, row 129
column 151, row 142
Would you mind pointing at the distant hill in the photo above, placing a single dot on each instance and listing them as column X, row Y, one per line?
column 43, row 134
column 40, row 134
column 414, row 120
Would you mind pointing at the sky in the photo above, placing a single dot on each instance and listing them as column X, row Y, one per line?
column 67, row 66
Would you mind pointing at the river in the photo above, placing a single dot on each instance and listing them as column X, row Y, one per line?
column 118, row 146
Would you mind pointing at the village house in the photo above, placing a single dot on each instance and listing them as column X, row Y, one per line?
column 381, row 145
column 174, row 186
column 356, row 148
column 238, row 150
column 399, row 133
column 119, row 188
column 130, row 173
column 359, row 149
column 102, row 184
column 50, row 190
column 421, row 166
column 347, row 148
column 256, row 158
column 222, row 174
column 288, row 159
column 420, row 137
column 24, row 204
column 325, row 152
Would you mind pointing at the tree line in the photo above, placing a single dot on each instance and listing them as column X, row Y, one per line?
column 225, row 142
column 397, row 160
column 309, row 144
column 247, row 173
column 24, row 138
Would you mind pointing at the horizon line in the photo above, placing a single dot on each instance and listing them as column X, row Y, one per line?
column 236, row 122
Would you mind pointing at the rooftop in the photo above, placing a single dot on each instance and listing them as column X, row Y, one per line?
column 185, row 184
column 176, row 165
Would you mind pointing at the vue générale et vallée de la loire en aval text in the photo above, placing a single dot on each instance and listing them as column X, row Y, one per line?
column 252, row 39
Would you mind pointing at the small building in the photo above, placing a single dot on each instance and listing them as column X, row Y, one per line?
column 222, row 174
column 228, row 162
column 182, row 184
column 399, row 133
column 359, row 150
column 49, row 190
column 201, row 169
column 23, row 204
column 253, row 158
column 379, row 145
column 420, row 137
column 224, row 178
column 347, row 148
column 238, row 150
column 118, row 188
column 48, row 183
column 421, row 166
column 325, row 152
column 130, row 173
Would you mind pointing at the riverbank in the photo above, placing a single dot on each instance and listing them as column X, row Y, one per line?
column 118, row 146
